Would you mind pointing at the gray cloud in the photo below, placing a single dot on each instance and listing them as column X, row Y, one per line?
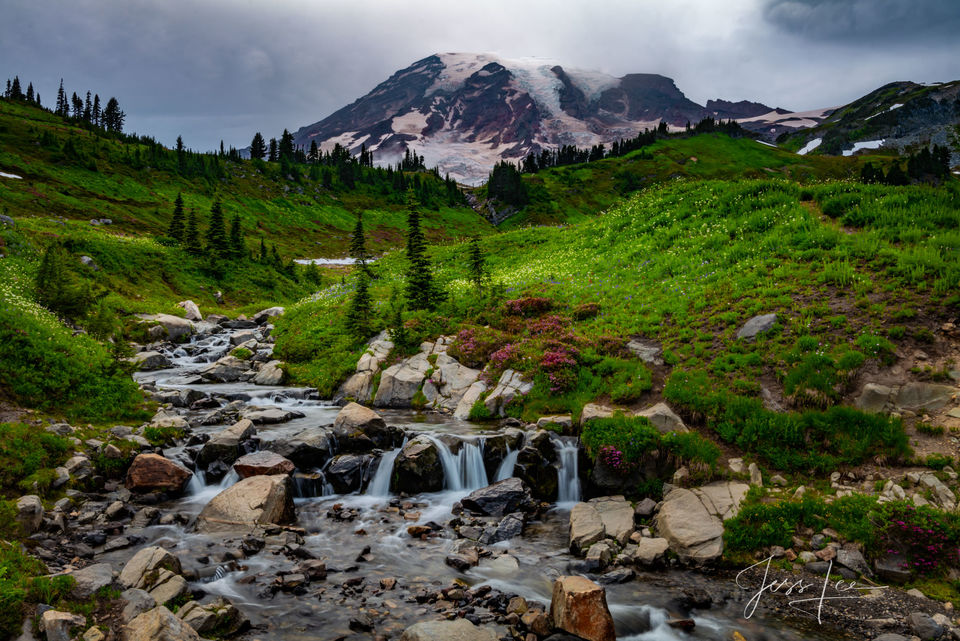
column 223, row 69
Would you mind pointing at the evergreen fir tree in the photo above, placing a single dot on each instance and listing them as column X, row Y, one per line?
column 361, row 309
column 58, row 288
column 477, row 264
column 238, row 247
column 420, row 288
column 272, row 153
column 6, row 94
column 88, row 109
column 62, row 105
column 258, row 147
column 30, row 92
column 285, row 148
column 191, row 235
column 15, row 92
column 112, row 117
column 180, row 153
column 358, row 246
column 96, row 109
column 216, row 233
column 176, row 229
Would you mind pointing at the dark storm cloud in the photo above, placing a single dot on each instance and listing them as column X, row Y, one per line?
column 889, row 22
column 223, row 69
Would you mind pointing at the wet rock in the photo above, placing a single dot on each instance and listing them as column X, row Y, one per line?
column 579, row 606
column 310, row 448
column 619, row 575
column 158, row 624
column 270, row 415
column 400, row 383
column 687, row 625
column 359, row 428
column 152, row 472
column 345, row 472
column 219, row 618
column 457, row 630
column 224, row 446
column 663, row 418
column 30, row 513
column 252, row 501
column 270, row 373
column 263, row 463
column 417, row 469
column 500, row 498
column 757, row 325
column 509, row 527
column 57, row 625
column 150, row 361
column 510, row 385
column 228, row 369
column 313, row 569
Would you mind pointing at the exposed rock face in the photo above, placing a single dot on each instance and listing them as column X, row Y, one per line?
column 647, row 351
column 579, row 606
column 152, row 472
column 456, row 630
column 263, row 316
column 449, row 383
column 269, row 374
column 252, row 501
column 757, row 325
column 400, row 383
column 150, row 361
column 502, row 498
column 90, row 579
column 159, row 624
column 263, row 463
column 924, row 396
column 692, row 520
column 191, row 309
column 174, row 327
column 510, row 385
column 418, row 468
column 663, row 418
column 355, row 421
column 30, row 513
column 360, row 385
column 604, row 517
column 469, row 398
column 155, row 571
column 225, row 445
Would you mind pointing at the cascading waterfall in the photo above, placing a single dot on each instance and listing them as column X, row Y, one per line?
column 463, row 470
column 568, row 490
column 505, row 470
column 310, row 485
column 380, row 484
column 197, row 482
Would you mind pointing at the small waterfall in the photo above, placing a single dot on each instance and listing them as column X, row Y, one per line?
column 380, row 484
column 310, row 485
column 463, row 470
column 568, row 490
column 229, row 479
column 197, row 482
column 505, row 470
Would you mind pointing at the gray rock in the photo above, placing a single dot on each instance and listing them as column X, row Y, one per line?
column 191, row 309
column 853, row 559
column 400, row 383
column 500, row 498
column 890, row 636
column 757, row 325
column 417, row 468
column 663, row 418
column 309, row 448
column 137, row 602
column 30, row 513
column 225, row 445
column 874, row 397
column 90, row 579
column 891, row 569
column 645, row 509
column 510, row 385
column 57, row 625
column 456, row 630
column 228, row 369
column 158, row 624
column 264, row 315
column 509, row 527
column 251, row 502
column 345, row 472
column 646, row 351
column 269, row 374
column 692, row 521
column 270, row 415
column 925, row 396
column 651, row 551
column 174, row 327
column 923, row 625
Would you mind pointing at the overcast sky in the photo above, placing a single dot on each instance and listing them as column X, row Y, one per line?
column 223, row 69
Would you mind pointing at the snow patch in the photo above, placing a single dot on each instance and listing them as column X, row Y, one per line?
column 412, row 122
column 896, row 106
column 325, row 261
column 768, row 144
column 5, row 175
column 866, row 144
column 810, row 146
column 774, row 116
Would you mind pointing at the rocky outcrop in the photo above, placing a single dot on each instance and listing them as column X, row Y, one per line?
column 360, row 385
column 253, row 501
column 191, row 311
column 501, row 498
column 579, row 606
column 263, row 316
column 172, row 327
column 152, row 472
column 263, row 463
column 510, row 385
column 159, row 624
column 400, row 383
column 456, row 630
column 470, row 397
column 595, row 410
column 600, row 518
column 874, row 398
column 30, row 513
column 150, row 361
column 448, row 383
column 663, row 418
column 269, row 374
column 418, row 468
column 88, row 580
column 692, row 520
column 915, row 397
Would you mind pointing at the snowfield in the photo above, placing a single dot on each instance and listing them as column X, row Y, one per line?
column 866, row 144
column 810, row 146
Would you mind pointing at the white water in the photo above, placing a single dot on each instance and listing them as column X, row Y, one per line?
column 199, row 492
column 568, row 486
column 380, row 484
column 329, row 261
column 463, row 470
column 505, row 470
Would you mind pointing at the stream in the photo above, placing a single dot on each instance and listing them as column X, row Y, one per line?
column 341, row 528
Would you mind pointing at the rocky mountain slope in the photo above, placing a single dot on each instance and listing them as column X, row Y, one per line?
column 465, row 111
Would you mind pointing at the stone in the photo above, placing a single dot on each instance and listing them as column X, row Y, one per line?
column 755, row 477
column 942, row 495
column 663, row 418
column 264, row 315
column 94, row 634
column 757, row 325
column 219, row 618
column 228, row 369
column 778, row 480
column 309, row 448
column 225, row 445
column 510, row 385
column 270, row 373
column 56, row 625
column 345, row 472
column 191, row 309
column 30, row 513
column 924, row 396
column 137, row 602
column 152, row 472
column 501, row 498
column 400, row 383
column 243, row 336
column 263, row 463
column 651, row 551
column 358, row 386
column 586, row 527
column 647, row 351
column 853, row 560
column 158, row 624
column 270, row 415
column 90, row 579
column 891, row 569
column 469, row 399
column 509, row 527
column 250, row 502
column 890, row 636
column 355, row 420
column 417, row 468
column 168, row 586
column 564, row 422
column 579, row 606
column 456, row 630
column 873, row 397
column 142, row 569
column 923, row 625
column 449, row 382
column 692, row 520
column 150, row 361
column 595, row 410
column 174, row 327
column 616, row 515
column 644, row 509
column 599, row 555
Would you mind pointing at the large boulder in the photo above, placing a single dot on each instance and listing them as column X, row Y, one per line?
column 449, row 382
column 152, row 472
column 579, row 606
column 456, row 630
column 586, row 527
column 874, row 397
column 159, row 624
column 310, row 448
column 400, row 383
column 142, row 571
column 692, row 520
column 220, row 618
column 510, row 385
column 90, row 579
column 174, row 327
column 595, row 410
column 356, row 423
column 663, row 418
column 250, row 502
column 269, row 374
column 228, row 369
column 501, row 498
column 29, row 513
column 263, row 463
column 192, row 312
column 56, row 625
column 647, row 351
column 418, row 467
column 345, row 472
column 599, row 518
column 263, row 316
column 470, row 397
column 225, row 445
column 537, row 471
column 757, row 325
column 925, row 396
column 150, row 361
column 359, row 385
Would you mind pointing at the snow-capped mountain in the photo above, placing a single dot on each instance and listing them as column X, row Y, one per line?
column 464, row 112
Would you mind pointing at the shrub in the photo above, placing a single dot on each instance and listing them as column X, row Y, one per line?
column 241, row 352
column 626, row 380
column 529, row 306
column 479, row 411
column 22, row 583
column 474, row 345
column 560, row 366
column 925, row 541
column 26, row 450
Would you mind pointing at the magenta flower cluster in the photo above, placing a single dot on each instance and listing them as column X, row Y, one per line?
column 615, row 459
column 529, row 306
column 919, row 543
column 560, row 366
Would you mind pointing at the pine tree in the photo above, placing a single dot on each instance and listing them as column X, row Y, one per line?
column 87, row 109
column 180, row 153
column 96, row 109
column 57, row 286
column 62, row 105
column 272, row 154
column 420, row 288
column 15, row 92
column 191, row 235
column 77, row 102
column 258, row 147
column 358, row 246
column 30, row 92
column 314, row 156
column 216, row 234
column 477, row 263
column 112, row 117
column 361, row 309
column 176, row 229
column 6, row 94
column 285, row 148
column 238, row 247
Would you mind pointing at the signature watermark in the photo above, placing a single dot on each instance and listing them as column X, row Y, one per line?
column 810, row 596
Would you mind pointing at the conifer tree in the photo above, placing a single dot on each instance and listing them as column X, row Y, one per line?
column 272, row 154
column 176, row 229
column 285, row 148
column 30, row 92
column 238, row 247
column 180, row 153
column 314, row 156
column 477, row 263
column 15, row 92
column 6, row 94
column 62, row 105
column 112, row 117
column 258, row 147
column 361, row 309
column 420, row 288
column 77, row 102
column 96, row 109
column 216, row 233
column 87, row 109
column 358, row 246
column 191, row 235
column 57, row 286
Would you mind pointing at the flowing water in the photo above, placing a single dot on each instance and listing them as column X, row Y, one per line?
column 379, row 520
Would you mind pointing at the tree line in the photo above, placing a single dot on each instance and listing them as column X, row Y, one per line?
column 930, row 165
column 109, row 118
